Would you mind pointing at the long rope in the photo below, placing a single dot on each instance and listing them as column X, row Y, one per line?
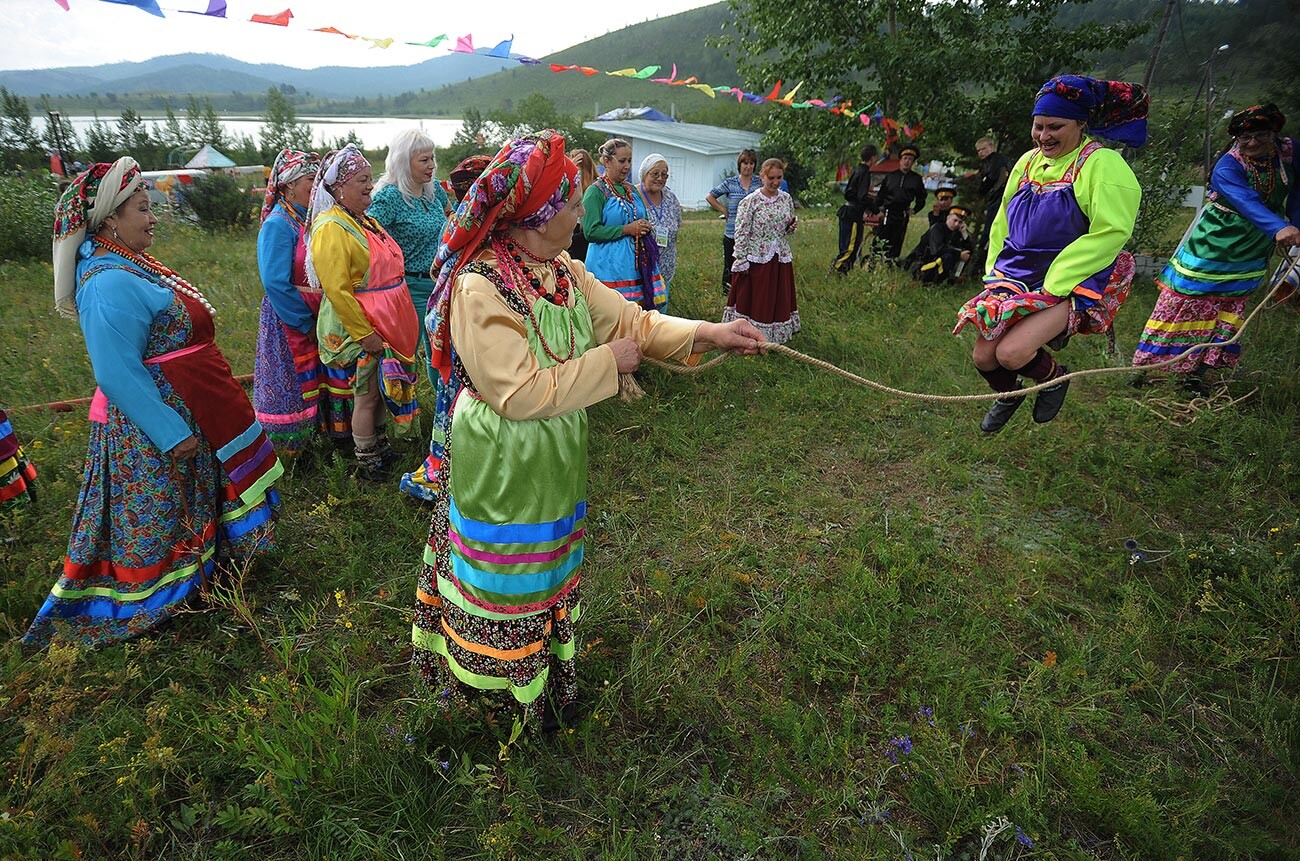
column 1279, row 278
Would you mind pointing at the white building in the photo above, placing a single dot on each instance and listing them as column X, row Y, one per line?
column 698, row 156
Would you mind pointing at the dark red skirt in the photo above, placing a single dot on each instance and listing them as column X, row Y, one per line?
column 764, row 295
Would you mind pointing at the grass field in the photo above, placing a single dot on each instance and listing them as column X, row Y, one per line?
column 819, row 623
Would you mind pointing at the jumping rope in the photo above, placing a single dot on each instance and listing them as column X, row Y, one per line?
column 1283, row 271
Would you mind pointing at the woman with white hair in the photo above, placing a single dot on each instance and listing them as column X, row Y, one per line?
column 413, row 207
column 664, row 211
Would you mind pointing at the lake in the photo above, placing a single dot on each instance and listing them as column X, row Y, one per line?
column 373, row 132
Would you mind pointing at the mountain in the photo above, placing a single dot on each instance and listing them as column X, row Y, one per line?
column 201, row 74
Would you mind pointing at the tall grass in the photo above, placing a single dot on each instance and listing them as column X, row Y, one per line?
column 820, row 623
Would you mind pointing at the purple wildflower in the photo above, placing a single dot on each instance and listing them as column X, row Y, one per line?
column 445, row 765
column 1024, row 839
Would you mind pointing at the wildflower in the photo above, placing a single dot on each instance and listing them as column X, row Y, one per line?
column 899, row 744
column 444, row 764
column 926, row 714
column 1024, row 839
column 410, row 739
column 1049, row 660
column 1019, row 772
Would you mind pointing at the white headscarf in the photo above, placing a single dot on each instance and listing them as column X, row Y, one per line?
column 649, row 162
column 94, row 195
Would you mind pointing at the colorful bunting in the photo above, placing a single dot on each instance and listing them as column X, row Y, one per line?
column 776, row 91
column 432, row 43
column 378, row 43
column 335, row 31
column 216, row 9
column 64, row 4
column 280, row 20
column 150, row 6
column 667, row 80
column 647, row 72
column 623, row 73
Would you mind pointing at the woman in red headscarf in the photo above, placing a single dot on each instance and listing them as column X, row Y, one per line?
column 524, row 339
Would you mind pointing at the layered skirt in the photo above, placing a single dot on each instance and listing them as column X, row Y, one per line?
column 1179, row 322
column 764, row 295
column 17, row 474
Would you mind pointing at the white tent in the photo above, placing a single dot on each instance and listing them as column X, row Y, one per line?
column 208, row 157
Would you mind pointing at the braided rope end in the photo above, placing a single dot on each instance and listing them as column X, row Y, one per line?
column 629, row 389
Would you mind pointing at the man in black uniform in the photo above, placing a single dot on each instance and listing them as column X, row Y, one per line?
column 995, row 168
column 899, row 191
column 942, row 249
column 857, row 200
column 943, row 198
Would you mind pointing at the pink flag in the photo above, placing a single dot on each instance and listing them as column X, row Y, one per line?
column 64, row 4
column 465, row 44
column 669, row 79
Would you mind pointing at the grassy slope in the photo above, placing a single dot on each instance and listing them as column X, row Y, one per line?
column 677, row 38
column 783, row 571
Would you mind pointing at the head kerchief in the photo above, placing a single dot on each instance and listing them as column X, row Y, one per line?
column 648, row 163
column 289, row 165
column 524, row 185
column 1114, row 110
column 1256, row 118
column 463, row 175
column 93, row 195
column 337, row 167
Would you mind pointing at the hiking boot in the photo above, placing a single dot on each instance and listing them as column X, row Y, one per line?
column 1049, row 401
column 1194, row 384
column 1000, row 413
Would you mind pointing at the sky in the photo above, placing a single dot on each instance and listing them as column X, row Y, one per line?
column 94, row 32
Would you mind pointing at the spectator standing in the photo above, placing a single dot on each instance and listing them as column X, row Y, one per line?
column 725, row 197
column 857, row 201
column 995, row 169
column 900, row 194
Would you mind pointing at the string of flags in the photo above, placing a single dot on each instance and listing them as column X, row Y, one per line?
column 867, row 116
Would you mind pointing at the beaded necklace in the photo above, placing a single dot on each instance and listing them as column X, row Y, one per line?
column 510, row 259
column 157, row 272
column 1265, row 186
column 625, row 198
column 292, row 213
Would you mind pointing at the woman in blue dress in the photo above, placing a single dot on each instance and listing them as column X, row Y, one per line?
column 620, row 251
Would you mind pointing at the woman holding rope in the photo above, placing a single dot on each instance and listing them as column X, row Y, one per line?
column 1056, row 265
column 179, row 475
column 1254, row 203
column 528, row 339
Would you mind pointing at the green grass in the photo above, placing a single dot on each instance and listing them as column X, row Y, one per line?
column 783, row 572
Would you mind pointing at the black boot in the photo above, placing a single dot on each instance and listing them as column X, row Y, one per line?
column 1050, row 400
column 1000, row 413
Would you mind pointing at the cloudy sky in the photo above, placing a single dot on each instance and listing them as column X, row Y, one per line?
column 42, row 35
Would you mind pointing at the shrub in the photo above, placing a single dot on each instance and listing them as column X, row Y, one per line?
column 218, row 203
column 26, row 217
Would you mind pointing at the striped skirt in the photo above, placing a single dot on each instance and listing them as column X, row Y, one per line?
column 17, row 475
column 1180, row 322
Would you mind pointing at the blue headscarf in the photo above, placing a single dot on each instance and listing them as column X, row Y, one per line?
column 1114, row 110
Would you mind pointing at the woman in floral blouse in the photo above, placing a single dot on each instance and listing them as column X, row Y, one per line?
column 762, row 283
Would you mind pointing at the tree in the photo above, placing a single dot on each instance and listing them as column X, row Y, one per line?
column 280, row 127
column 213, row 133
column 534, row 113
column 472, row 137
column 18, row 140
column 959, row 68
column 101, row 143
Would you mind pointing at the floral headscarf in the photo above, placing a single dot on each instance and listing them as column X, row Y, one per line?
column 463, row 175
column 524, row 184
column 1114, row 110
column 289, row 165
column 1256, row 118
column 93, row 195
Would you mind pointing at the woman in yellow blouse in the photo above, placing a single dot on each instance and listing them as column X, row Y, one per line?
column 528, row 339
column 367, row 322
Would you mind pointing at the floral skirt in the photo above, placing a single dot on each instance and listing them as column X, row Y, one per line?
column 147, row 532
column 1180, row 322
column 764, row 295
column 1003, row 303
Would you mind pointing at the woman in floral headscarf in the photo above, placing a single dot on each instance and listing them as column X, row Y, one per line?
column 367, row 323
column 525, row 338
column 1254, row 203
column 1056, row 265
column 294, row 392
column 179, row 475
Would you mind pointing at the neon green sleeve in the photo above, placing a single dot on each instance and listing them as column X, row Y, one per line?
column 1109, row 195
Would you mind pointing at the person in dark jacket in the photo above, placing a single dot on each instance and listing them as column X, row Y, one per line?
column 857, row 201
column 900, row 194
column 943, row 199
column 942, row 250
column 994, row 170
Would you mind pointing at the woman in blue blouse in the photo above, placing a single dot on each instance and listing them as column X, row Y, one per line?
column 179, row 477
column 413, row 207
column 725, row 198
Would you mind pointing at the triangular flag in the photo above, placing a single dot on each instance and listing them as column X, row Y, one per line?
column 378, row 43
column 280, row 20
column 704, row 88
column 753, row 97
column 588, row 71
column 335, row 31
column 667, row 80
column 150, row 6
column 432, row 43
column 776, row 91
column 646, row 72
column 556, row 67
column 866, row 120
column 63, row 4
column 216, row 9
column 789, row 97
column 502, row 49
column 464, row 45
column 623, row 73
column 917, row 131
column 529, row 61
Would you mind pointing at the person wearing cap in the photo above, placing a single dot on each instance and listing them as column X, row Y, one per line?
column 943, row 199
column 994, row 170
column 526, row 338
column 857, row 202
column 1056, row 264
column 900, row 194
column 1253, row 204
column 943, row 248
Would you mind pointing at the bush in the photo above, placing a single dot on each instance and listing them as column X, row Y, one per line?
column 26, row 217
column 218, row 203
